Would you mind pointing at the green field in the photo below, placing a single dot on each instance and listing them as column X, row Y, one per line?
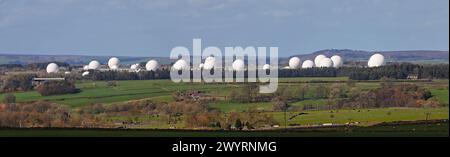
column 161, row 90
column 98, row 92
column 441, row 95
column 404, row 130
column 363, row 116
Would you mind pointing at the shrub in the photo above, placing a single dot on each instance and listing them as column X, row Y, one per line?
column 57, row 88
column 9, row 98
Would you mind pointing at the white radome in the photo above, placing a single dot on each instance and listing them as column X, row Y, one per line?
column 94, row 65
column 209, row 63
column 317, row 60
column 114, row 61
column 337, row 61
column 376, row 60
column 85, row 73
column 238, row 65
column 180, row 65
column 152, row 65
column 307, row 64
column 266, row 67
column 326, row 63
column 52, row 68
column 294, row 63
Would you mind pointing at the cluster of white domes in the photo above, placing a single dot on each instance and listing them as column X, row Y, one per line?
column 319, row 61
column 376, row 60
column 335, row 61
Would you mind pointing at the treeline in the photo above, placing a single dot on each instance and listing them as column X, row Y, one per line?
column 126, row 75
column 401, row 71
column 395, row 71
column 38, row 114
column 192, row 114
column 33, row 66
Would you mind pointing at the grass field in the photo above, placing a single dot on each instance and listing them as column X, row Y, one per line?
column 363, row 116
column 441, row 95
column 161, row 90
column 98, row 92
column 404, row 130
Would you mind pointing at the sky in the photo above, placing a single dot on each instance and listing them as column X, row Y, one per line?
column 154, row 27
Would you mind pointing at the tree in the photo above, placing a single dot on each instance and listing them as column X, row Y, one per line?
column 321, row 91
column 280, row 104
column 238, row 124
column 302, row 92
column 20, row 82
column 336, row 92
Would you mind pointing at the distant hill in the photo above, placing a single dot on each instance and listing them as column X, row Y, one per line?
column 71, row 59
column 414, row 56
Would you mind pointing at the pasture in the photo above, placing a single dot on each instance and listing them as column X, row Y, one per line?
column 439, row 129
column 161, row 91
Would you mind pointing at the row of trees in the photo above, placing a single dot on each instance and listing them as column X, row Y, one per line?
column 401, row 95
column 397, row 71
column 126, row 75
column 43, row 114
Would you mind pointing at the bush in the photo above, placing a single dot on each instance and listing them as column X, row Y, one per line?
column 9, row 98
column 21, row 82
column 57, row 88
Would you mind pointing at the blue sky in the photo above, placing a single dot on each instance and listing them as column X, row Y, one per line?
column 154, row 27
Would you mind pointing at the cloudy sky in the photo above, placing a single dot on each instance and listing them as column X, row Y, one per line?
column 154, row 27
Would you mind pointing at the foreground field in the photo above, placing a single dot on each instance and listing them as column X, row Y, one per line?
column 404, row 130
column 363, row 117
column 158, row 91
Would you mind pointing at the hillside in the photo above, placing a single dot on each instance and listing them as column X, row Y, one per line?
column 71, row 59
column 416, row 56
